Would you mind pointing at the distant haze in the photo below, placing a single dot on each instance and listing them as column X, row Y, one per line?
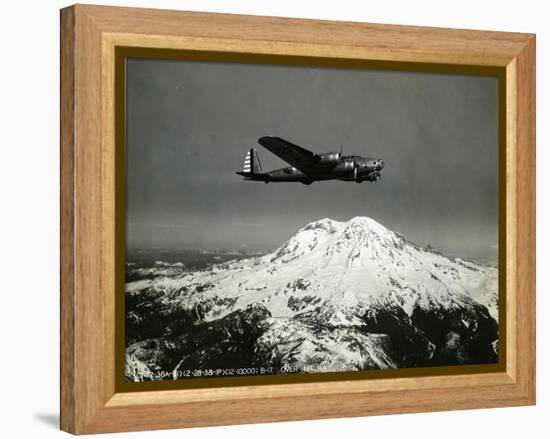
column 189, row 125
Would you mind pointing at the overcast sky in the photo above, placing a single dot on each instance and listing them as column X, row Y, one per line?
column 189, row 125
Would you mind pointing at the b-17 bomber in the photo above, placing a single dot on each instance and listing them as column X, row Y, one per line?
column 307, row 166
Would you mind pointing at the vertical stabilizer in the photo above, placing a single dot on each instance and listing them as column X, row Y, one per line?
column 251, row 163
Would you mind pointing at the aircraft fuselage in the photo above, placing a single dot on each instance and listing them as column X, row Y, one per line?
column 367, row 170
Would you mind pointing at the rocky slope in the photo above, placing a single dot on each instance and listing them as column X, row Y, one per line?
column 336, row 296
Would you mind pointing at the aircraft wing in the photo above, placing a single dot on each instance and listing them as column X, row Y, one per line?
column 294, row 155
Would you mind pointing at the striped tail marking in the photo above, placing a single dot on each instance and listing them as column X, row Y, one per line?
column 251, row 162
column 247, row 167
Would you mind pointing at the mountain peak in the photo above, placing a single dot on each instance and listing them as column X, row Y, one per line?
column 364, row 221
column 332, row 226
column 358, row 239
column 323, row 224
column 367, row 223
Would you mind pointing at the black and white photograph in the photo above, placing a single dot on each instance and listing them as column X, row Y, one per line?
column 275, row 219
column 285, row 219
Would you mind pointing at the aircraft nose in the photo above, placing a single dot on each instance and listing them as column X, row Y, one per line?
column 380, row 164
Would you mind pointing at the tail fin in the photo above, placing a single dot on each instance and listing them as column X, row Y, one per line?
column 251, row 163
column 252, row 169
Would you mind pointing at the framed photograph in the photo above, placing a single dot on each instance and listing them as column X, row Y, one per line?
column 268, row 219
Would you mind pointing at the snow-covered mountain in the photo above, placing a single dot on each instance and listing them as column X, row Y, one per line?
column 336, row 296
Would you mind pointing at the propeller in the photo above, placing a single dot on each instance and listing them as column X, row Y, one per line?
column 375, row 177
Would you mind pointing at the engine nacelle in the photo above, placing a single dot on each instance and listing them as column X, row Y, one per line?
column 330, row 158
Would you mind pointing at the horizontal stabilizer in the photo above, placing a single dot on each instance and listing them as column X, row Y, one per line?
column 253, row 176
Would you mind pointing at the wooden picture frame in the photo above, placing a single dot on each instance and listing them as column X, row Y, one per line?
column 90, row 38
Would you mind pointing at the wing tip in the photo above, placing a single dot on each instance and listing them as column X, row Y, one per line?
column 265, row 139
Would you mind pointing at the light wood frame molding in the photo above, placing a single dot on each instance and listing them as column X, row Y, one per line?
column 89, row 36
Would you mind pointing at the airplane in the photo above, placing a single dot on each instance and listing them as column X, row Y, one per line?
column 307, row 167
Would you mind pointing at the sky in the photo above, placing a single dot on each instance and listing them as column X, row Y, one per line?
column 190, row 123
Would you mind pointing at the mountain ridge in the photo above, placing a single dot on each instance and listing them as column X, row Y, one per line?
column 337, row 281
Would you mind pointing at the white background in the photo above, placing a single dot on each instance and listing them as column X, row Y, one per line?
column 29, row 216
